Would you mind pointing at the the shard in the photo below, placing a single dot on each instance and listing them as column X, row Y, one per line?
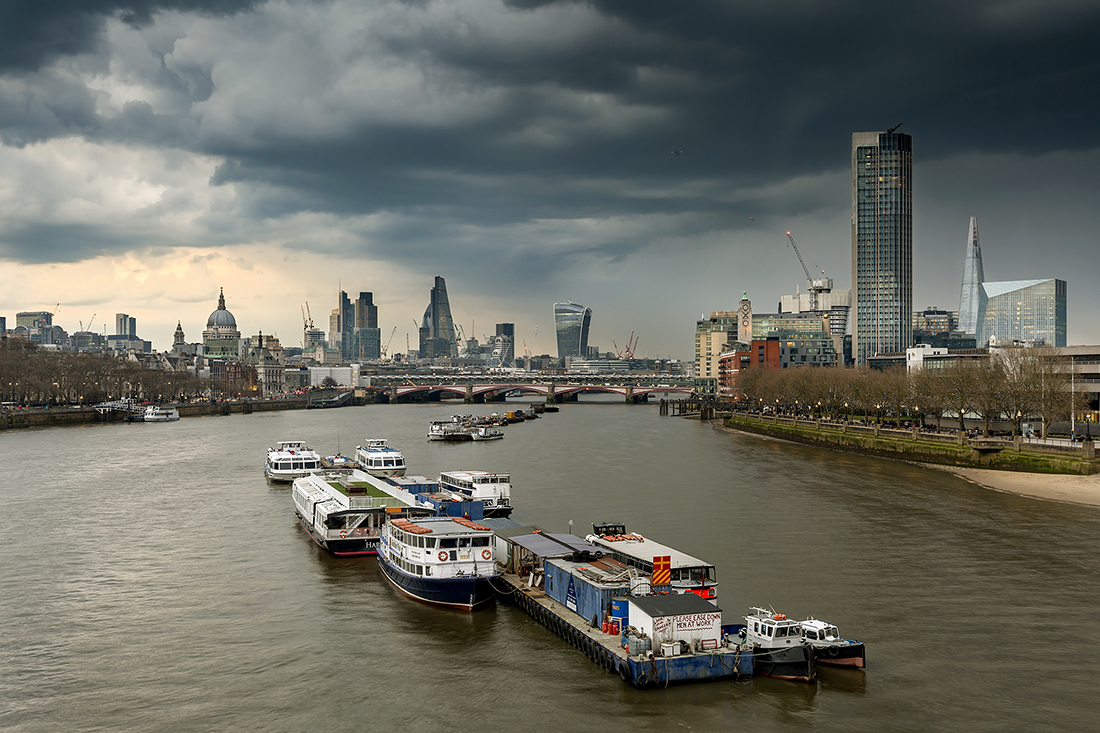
column 973, row 277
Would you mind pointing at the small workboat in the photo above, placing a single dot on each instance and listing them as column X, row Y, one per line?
column 378, row 458
column 779, row 650
column 484, row 433
column 830, row 648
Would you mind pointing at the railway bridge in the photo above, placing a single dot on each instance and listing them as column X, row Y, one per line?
column 552, row 392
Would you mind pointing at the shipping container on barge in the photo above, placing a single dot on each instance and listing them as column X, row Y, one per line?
column 345, row 510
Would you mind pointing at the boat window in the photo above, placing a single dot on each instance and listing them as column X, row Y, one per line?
column 811, row 634
column 832, row 631
column 780, row 631
column 388, row 462
column 429, row 542
column 768, row 631
column 298, row 465
column 419, row 569
column 755, row 627
column 399, row 462
column 311, row 464
column 448, row 542
column 481, row 541
column 463, row 541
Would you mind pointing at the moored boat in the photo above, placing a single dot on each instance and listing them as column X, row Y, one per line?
column 779, row 650
column 156, row 413
column 491, row 488
column 290, row 459
column 484, row 433
column 378, row 458
column 830, row 648
column 344, row 510
column 686, row 574
column 445, row 561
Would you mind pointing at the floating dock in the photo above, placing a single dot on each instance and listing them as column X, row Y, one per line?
column 606, row 650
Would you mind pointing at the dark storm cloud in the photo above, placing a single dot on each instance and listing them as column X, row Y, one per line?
column 33, row 33
column 582, row 122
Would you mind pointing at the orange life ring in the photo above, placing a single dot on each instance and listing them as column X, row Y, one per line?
column 485, row 554
column 442, row 556
column 343, row 533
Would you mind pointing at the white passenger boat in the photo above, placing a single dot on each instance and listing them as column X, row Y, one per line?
column 779, row 649
column 484, row 433
column 155, row 413
column 493, row 489
column 447, row 561
column 344, row 511
column 830, row 647
column 687, row 574
column 378, row 458
column 290, row 459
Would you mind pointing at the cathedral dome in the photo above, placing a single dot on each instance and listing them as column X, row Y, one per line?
column 221, row 317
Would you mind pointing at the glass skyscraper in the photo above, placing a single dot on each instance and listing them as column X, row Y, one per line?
column 973, row 277
column 882, row 243
column 1023, row 310
column 437, row 330
column 572, row 321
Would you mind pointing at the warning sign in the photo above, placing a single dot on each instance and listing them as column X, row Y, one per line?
column 662, row 570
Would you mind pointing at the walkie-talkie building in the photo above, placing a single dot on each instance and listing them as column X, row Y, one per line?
column 572, row 321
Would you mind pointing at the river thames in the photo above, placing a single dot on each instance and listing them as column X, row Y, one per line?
column 153, row 580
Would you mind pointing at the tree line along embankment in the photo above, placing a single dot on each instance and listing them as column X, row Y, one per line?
column 915, row 444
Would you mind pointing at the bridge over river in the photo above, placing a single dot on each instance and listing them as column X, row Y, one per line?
column 428, row 390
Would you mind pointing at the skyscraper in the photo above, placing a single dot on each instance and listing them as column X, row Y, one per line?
column 973, row 277
column 437, row 330
column 504, row 345
column 882, row 243
column 365, row 336
column 572, row 321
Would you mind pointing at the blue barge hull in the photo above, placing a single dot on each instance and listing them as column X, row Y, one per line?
column 606, row 650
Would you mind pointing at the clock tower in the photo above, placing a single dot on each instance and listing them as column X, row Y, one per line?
column 744, row 319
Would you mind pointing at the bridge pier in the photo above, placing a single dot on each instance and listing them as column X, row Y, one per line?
column 550, row 397
column 469, row 393
column 629, row 394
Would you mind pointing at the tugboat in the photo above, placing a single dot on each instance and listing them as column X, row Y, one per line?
column 830, row 648
column 778, row 647
column 446, row 561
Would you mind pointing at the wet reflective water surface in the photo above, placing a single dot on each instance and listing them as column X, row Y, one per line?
column 153, row 580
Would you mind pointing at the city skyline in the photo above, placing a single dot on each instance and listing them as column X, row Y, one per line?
column 645, row 162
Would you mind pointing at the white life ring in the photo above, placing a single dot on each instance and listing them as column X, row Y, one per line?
column 343, row 533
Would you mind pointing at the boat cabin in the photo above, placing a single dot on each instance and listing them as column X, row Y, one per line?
column 768, row 629
column 677, row 618
column 815, row 630
column 687, row 574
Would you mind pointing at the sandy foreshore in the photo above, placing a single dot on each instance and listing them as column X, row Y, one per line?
column 1051, row 486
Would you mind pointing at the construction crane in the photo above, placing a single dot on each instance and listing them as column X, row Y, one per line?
column 386, row 348
column 816, row 286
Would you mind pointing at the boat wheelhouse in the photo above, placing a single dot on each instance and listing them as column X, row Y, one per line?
column 493, row 489
column 830, row 647
column 289, row 460
column 344, row 511
column 378, row 458
column 779, row 649
column 687, row 574
column 446, row 561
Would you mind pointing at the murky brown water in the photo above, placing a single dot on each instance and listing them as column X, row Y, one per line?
column 153, row 580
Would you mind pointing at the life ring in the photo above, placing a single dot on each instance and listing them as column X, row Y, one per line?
column 779, row 617
column 485, row 554
column 343, row 533
column 442, row 556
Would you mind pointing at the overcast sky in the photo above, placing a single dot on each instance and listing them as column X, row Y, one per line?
column 153, row 153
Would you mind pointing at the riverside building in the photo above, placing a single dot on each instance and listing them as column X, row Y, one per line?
column 882, row 242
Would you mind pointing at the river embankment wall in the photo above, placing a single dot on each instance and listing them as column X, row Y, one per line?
column 921, row 446
column 42, row 417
